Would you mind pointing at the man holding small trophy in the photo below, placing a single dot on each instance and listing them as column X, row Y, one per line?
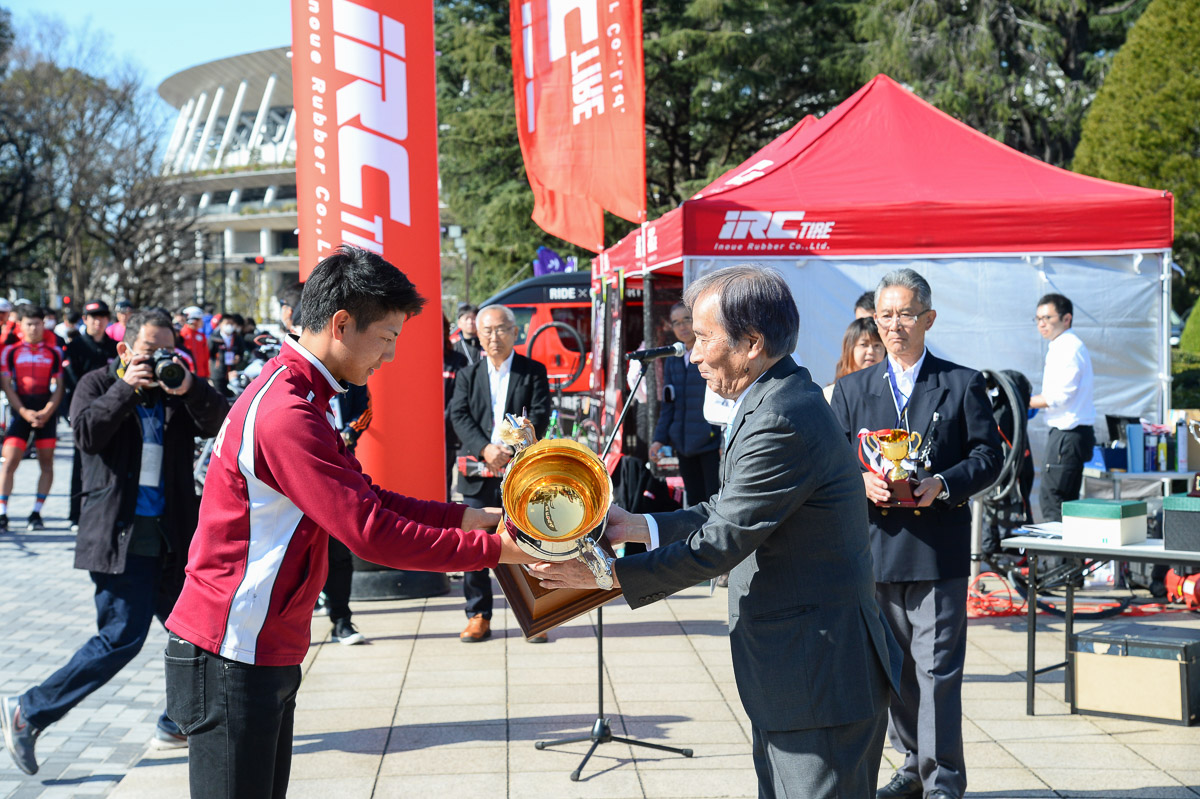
column 932, row 423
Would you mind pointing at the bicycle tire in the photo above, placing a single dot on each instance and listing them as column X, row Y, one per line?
column 556, row 382
column 1021, row 586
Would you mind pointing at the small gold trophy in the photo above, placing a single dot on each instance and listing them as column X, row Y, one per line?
column 894, row 446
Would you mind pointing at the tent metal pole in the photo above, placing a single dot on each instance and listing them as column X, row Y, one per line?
column 1164, row 402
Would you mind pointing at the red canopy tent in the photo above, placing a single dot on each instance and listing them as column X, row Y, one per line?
column 887, row 173
column 886, row 180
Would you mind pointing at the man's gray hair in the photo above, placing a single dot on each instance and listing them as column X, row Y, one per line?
column 908, row 279
column 509, row 317
column 751, row 299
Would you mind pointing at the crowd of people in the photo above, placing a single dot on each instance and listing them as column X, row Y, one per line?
column 776, row 500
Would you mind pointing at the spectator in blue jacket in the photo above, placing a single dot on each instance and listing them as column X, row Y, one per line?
column 681, row 423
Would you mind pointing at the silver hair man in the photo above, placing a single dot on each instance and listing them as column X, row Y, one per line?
column 909, row 279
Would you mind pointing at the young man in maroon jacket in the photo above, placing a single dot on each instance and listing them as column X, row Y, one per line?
column 280, row 482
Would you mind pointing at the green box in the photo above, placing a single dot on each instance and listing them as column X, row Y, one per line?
column 1181, row 502
column 1104, row 508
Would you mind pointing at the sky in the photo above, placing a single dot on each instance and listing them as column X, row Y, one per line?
column 163, row 37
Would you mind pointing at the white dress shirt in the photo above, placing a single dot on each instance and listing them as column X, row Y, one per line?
column 906, row 381
column 1067, row 383
column 498, row 385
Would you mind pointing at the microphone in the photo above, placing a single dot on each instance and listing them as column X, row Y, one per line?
column 657, row 352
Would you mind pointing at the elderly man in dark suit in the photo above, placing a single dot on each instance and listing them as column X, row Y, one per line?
column 502, row 382
column 811, row 652
column 922, row 554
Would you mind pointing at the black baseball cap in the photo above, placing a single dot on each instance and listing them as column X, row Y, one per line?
column 96, row 308
column 124, row 305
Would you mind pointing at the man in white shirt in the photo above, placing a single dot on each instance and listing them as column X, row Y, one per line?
column 1067, row 397
column 500, row 382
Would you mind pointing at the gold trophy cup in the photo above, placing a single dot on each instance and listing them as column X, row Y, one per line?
column 894, row 446
column 556, row 495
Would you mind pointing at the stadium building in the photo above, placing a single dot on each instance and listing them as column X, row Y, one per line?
column 233, row 151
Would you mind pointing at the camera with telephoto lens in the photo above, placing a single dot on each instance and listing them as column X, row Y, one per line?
column 166, row 370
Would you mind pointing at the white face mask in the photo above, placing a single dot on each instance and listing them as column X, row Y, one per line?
column 226, row 330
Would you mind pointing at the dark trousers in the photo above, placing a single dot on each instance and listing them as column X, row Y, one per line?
column 477, row 585
column 929, row 620
column 701, row 476
column 238, row 719
column 76, row 486
column 338, row 581
column 839, row 762
column 125, row 606
column 1062, row 474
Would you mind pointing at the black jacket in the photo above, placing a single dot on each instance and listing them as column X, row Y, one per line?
column 681, row 420
column 109, row 438
column 471, row 408
column 453, row 362
column 216, row 357
column 83, row 355
column 470, row 348
column 963, row 446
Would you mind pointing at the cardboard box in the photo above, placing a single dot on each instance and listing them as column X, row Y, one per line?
column 1139, row 671
column 1104, row 522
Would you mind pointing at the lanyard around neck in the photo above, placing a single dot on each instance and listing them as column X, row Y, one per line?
column 899, row 398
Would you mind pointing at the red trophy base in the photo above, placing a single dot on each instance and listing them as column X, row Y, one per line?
column 902, row 493
column 1195, row 483
column 540, row 609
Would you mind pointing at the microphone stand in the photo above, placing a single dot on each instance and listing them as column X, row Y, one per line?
column 601, row 729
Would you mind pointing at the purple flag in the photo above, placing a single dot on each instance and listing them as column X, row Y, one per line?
column 547, row 262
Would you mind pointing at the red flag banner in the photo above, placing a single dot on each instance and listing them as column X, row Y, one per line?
column 366, row 174
column 580, row 90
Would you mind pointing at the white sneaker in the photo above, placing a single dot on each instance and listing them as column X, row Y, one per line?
column 345, row 633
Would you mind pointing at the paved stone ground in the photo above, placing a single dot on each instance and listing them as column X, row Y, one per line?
column 416, row 713
column 48, row 614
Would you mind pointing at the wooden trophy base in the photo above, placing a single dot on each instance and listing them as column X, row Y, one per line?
column 540, row 609
column 902, row 494
column 1195, row 485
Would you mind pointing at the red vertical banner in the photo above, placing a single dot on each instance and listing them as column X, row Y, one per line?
column 578, row 76
column 366, row 174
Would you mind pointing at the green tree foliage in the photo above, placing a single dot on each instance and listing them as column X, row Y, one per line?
column 82, row 205
column 723, row 78
column 1143, row 128
column 1021, row 71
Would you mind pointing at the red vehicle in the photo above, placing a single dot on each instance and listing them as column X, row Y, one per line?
column 555, row 312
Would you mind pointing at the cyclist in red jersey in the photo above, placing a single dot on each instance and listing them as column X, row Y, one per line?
column 27, row 371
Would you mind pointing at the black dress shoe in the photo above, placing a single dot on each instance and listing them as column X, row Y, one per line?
column 901, row 787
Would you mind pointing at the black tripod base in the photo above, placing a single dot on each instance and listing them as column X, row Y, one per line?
column 602, row 734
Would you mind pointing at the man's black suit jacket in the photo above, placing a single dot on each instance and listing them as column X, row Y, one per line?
column 471, row 409
column 950, row 409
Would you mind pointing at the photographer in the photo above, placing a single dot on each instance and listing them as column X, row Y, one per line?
column 135, row 422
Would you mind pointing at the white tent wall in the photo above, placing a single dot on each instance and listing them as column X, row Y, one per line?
column 985, row 308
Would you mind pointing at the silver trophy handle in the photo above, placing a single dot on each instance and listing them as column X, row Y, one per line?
column 1194, row 428
column 596, row 563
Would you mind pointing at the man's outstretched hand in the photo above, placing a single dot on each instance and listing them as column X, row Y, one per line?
column 572, row 573
column 624, row 527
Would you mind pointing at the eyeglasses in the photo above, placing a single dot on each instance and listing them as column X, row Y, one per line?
column 1037, row 320
column 687, row 320
column 901, row 319
column 488, row 332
